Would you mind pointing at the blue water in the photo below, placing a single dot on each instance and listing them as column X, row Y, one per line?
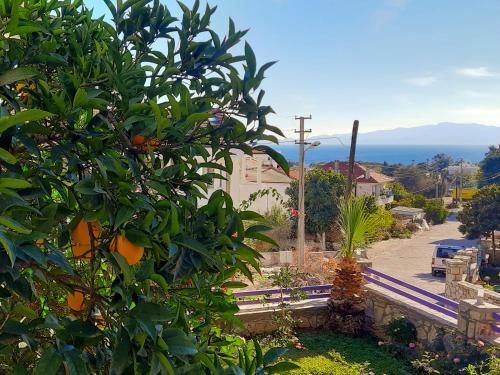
column 391, row 154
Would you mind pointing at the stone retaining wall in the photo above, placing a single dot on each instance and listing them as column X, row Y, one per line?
column 258, row 321
column 383, row 306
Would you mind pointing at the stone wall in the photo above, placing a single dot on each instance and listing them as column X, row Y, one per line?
column 383, row 306
column 258, row 321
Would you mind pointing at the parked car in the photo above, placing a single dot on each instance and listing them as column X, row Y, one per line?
column 441, row 253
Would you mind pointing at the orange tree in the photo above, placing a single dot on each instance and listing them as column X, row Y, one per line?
column 109, row 261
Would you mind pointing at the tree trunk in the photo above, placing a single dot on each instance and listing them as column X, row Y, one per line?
column 493, row 247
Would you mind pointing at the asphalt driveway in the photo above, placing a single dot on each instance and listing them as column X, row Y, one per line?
column 410, row 259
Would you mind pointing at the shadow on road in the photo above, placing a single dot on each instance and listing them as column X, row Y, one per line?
column 455, row 242
column 428, row 277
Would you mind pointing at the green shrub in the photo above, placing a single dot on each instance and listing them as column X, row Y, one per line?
column 435, row 213
column 401, row 331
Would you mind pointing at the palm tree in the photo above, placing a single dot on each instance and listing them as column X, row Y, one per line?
column 357, row 227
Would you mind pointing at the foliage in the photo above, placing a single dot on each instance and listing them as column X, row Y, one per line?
column 252, row 361
column 385, row 221
column 435, row 213
column 416, row 178
column 333, row 354
column 490, row 167
column 398, row 190
column 398, row 230
column 281, row 227
column 246, row 204
column 454, row 355
column 441, row 161
column 356, row 225
column 401, row 330
column 481, row 216
column 286, row 280
column 323, row 190
column 98, row 123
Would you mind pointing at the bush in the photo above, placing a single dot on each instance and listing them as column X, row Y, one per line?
column 435, row 213
column 401, row 331
column 385, row 220
column 398, row 230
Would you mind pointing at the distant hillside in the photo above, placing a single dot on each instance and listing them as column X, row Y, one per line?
column 445, row 133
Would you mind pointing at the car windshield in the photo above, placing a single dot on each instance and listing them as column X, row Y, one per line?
column 444, row 252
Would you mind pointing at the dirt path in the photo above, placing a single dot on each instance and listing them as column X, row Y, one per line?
column 410, row 259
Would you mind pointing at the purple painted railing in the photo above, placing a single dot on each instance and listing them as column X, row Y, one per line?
column 437, row 297
column 267, row 293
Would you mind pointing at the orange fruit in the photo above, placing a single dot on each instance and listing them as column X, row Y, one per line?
column 40, row 243
column 138, row 139
column 75, row 301
column 130, row 251
column 81, row 238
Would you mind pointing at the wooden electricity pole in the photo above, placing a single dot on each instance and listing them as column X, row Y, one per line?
column 352, row 155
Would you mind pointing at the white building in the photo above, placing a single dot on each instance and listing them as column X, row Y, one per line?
column 250, row 175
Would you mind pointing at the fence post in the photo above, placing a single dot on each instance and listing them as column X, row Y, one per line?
column 475, row 318
column 455, row 271
column 364, row 263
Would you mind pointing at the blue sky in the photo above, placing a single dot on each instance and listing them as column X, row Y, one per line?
column 387, row 63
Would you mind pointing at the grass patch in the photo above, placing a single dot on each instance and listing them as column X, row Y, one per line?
column 332, row 354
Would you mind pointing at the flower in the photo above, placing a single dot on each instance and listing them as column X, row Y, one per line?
column 456, row 360
column 380, row 343
column 234, row 235
column 412, row 345
column 480, row 343
column 294, row 212
column 224, row 290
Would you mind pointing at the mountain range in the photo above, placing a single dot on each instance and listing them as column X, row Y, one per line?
column 444, row 133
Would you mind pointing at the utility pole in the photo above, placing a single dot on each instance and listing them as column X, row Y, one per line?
column 352, row 154
column 301, row 235
column 461, row 181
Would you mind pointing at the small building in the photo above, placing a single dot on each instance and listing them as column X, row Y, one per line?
column 250, row 175
column 408, row 213
column 365, row 181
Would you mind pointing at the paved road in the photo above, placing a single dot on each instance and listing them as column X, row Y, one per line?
column 410, row 259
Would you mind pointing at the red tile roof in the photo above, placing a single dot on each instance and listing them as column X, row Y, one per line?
column 361, row 174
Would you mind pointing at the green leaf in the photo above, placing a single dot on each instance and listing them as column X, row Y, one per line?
column 250, row 59
column 282, row 368
column 80, row 98
column 17, row 74
column 24, row 311
column 138, row 237
column 49, row 363
column 196, row 117
column 234, row 284
column 124, row 267
column 123, row 215
column 165, row 363
column 120, row 359
column 9, row 246
column 22, row 117
column 153, row 312
column 14, row 225
column 273, row 354
column 178, row 342
column 7, row 157
column 80, row 328
column 14, row 183
column 275, row 155
column 19, row 370
column 160, row 280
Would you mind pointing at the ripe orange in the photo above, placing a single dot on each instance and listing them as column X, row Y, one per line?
column 130, row 251
column 40, row 243
column 81, row 238
column 75, row 301
column 138, row 139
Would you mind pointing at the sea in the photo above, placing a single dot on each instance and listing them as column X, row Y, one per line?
column 392, row 154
